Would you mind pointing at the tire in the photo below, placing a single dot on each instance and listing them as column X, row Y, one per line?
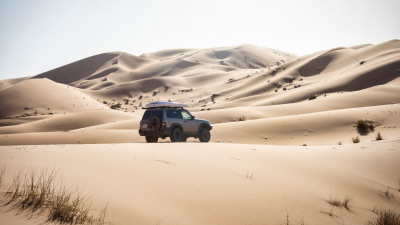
column 154, row 123
column 205, row 134
column 151, row 139
column 177, row 135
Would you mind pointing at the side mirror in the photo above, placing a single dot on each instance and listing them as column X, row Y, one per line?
column 193, row 117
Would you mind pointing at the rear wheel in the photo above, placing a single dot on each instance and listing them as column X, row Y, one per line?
column 151, row 139
column 205, row 135
column 177, row 135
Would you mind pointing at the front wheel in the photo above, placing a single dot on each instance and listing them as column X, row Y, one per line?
column 177, row 135
column 151, row 139
column 205, row 135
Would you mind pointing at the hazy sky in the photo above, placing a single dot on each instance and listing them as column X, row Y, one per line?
column 39, row 35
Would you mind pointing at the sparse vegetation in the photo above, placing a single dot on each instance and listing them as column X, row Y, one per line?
column 386, row 217
column 2, row 171
column 356, row 140
column 339, row 143
column 186, row 90
column 365, row 126
column 312, row 97
column 116, row 106
column 287, row 218
column 386, row 194
column 379, row 137
column 213, row 96
column 242, row 118
column 231, row 80
column 40, row 192
column 249, row 175
column 166, row 88
column 338, row 203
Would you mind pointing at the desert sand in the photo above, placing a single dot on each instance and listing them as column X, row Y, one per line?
column 281, row 144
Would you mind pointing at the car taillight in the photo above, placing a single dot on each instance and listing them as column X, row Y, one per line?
column 164, row 125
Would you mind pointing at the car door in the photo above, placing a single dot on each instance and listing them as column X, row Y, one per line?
column 189, row 126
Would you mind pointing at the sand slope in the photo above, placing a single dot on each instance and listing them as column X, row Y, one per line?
column 43, row 97
column 194, row 183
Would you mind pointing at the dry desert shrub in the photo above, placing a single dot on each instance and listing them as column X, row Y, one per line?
column 242, row 118
column 379, row 137
column 365, row 126
column 386, row 217
column 312, row 97
column 339, row 203
column 356, row 140
column 41, row 192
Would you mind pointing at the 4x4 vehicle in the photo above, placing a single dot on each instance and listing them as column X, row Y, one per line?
column 169, row 119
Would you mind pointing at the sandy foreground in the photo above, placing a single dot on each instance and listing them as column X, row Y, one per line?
column 217, row 183
column 281, row 146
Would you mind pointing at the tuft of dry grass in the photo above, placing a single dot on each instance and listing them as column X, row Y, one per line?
column 338, row 203
column 379, row 136
column 249, row 175
column 312, row 97
column 2, row 171
column 40, row 191
column 242, row 118
column 386, row 217
column 386, row 194
column 345, row 203
column 356, row 140
column 339, row 143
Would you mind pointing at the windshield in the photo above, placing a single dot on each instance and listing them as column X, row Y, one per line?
column 186, row 115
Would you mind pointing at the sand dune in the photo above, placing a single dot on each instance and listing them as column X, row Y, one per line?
column 281, row 141
column 43, row 97
column 279, row 86
column 68, row 122
column 10, row 82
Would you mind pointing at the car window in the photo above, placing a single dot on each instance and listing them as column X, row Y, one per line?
column 149, row 113
column 158, row 113
column 186, row 115
column 146, row 115
column 174, row 114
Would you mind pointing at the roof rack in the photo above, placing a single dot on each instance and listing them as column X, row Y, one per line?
column 165, row 105
column 162, row 107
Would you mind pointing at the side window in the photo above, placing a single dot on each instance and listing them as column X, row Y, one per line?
column 146, row 115
column 174, row 114
column 158, row 113
column 186, row 115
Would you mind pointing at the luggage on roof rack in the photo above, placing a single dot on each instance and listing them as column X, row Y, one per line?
column 165, row 105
